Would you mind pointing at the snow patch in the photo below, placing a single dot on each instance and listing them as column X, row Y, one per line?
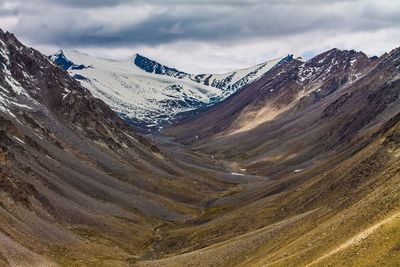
column 19, row 140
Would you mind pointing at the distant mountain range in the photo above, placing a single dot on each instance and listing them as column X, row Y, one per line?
column 148, row 94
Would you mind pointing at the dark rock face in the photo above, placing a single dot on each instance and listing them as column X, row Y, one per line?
column 152, row 66
column 60, row 59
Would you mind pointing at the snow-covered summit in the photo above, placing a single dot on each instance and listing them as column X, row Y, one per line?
column 232, row 81
column 228, row 82
column 149, row 94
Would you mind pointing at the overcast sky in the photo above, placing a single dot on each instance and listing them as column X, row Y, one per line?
column 203, row 35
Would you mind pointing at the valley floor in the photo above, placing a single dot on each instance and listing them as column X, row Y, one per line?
column 346, row 214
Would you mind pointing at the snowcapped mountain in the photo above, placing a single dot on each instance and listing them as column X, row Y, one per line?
column 148, row 94
column 228, row 82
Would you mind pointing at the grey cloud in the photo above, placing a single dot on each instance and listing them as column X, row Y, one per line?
column 68, row 24
column 224, row 30
column 110, row 3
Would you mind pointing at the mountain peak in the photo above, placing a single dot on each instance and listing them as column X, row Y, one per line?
column 286, row 59
column 151, row 66
column 59, row 53
column 60, row 59
column 138, row 55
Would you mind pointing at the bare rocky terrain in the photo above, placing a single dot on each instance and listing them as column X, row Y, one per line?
column 300, row 168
